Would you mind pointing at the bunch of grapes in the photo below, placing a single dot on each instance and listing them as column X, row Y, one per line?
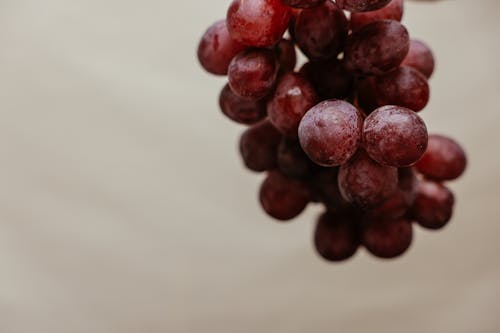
column 343, row 130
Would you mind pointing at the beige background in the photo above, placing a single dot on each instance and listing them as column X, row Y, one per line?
column 124, row 206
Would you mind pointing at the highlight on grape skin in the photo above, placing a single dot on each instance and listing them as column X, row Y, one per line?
column 339, row 130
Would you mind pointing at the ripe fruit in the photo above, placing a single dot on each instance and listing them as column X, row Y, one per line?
column 342, row 132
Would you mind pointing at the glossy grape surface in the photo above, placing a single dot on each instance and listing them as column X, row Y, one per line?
column 420, row 57
column 259, row 146
column 433, row 207
column 239, row 109
column 393, row 11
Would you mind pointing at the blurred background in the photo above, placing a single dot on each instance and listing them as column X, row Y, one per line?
column 124, row 206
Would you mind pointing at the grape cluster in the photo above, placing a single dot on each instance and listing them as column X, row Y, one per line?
column 343, row 130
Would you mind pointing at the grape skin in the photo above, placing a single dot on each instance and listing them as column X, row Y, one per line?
column 395, row 136
column 292, row 161
column 329, row 77
column 405, row 87
column 241, row 110
column 336, row 237
column 253, row 73
column 330, row 132
column 320, row 32
column 433, row 206
column 377, row 48
column 444, row 159
column 385, row 238
column 366, row 183
column 287, row 57
column 283, row 198
column 393, row 11
column 326, row 187
column 362, row 5
column 303, row 3
column 216, row 49
column 247, row 24
column 259, row 146
column 420, row 57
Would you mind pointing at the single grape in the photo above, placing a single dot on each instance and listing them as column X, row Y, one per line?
column 217, row 49
column 329, row 77
column 326, row 187
column 385, row 238
column 329, row 133
column 239, row 109
column 336, row 237
column 401, row 200
column 287, row 57
column 444, row 159
column 283, row 198
column 293, row 97
column 320, row 32
column 433, row 207
column 361, row 5
column 393, row 11
column 420, row 57
column 252, row 73
column 377, row 48
column 259, row 146
column 257, row 23
column 395, row 136
column 303, row 3
column 293, row 162
column 366, row 183
column 404, row 87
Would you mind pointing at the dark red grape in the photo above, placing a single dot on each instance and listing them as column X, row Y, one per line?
column 217, row 49
column 320, row 32
column 362, row 5
column 259, row 146
column 377, row 48
column 395, row 136
column 257, row 23
column 326, row 187
column 366, row 183
column 329, row 133
column 329, row 77
column 420, row 57
column 393, row 11
column 283, row 198
column 252, row 73
column 239, row 109
column 287, row 57
column 401, row 200
column 385, row 238
column 404, row 87
column 303, row 3
column 444, row 159
column 433, row 206
column 336, row 237
column 293, row 97
column 293, row 162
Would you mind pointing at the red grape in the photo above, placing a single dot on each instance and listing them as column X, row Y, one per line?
column 401, row 200
column 336, row 237
column 433, row 206
column 365, row 182
column 326, row 187
column 404, row 87
column 329, row 77
column 303, row 3
column 283, row 198
column 292, row 161
column 259, row 146
column 287, row 57
column 252, row 73
column 386, row 238
column 395, row 136
column 239, row 109
column 217, row 49
column 293, row 97
column 362, row 5
column 320, row 32
column 393, row 11
column 257, row 22
column 377, row 48
column 420, row 57
column 330, row 132
column 444, row 159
